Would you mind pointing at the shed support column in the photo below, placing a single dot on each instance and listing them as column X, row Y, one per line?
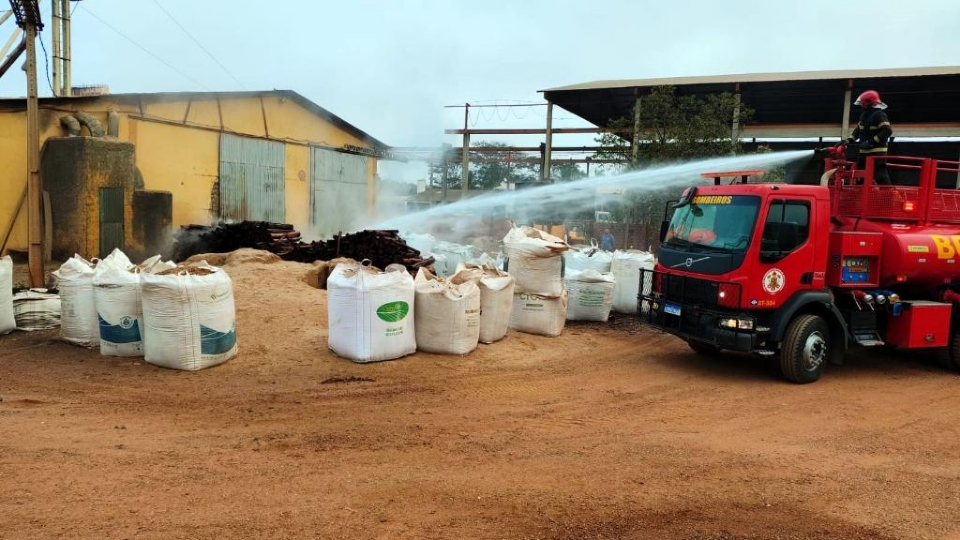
column 735, row 124
column 34, row 186
column 57, row 24
column 465, row 167
column 635, row 142
column 548, row 145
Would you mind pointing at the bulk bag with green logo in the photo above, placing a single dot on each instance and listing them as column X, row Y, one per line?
column 370, row 313
column 448, row 312
column 590, row 295
column 189, row 317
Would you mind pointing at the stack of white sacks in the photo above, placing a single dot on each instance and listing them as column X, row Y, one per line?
column 535, row 260
column 183, row 319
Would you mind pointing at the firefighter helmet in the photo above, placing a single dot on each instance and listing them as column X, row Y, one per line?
column 870, row 99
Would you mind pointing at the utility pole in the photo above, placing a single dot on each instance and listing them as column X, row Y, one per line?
column 65, row 49
column 57, row 20
column 465, row 158
column 27, row 13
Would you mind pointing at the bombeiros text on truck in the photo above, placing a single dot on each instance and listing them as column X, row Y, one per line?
column 807, row 272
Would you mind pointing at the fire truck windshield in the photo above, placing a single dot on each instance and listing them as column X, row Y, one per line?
column 714, row 222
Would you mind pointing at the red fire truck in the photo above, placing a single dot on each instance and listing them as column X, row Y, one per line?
column 805, row 273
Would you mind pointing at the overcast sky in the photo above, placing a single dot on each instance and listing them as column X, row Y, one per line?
column 389, row 67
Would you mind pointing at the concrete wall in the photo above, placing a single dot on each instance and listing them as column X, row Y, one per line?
column 177, row 142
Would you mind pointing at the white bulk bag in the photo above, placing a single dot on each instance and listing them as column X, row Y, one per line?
column 78, row 317
column 626, row 270
column 536, row 314
column 591, row 258
column 7, row 320
column 116, row 286
column 36, row 309
column 189, row 318
column 370, row 313
column 448, row 312
column 452, row 254
column 590, row 295
column 535, row 260
column 496, row 301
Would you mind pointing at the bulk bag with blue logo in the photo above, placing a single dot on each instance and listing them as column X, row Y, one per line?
column 78, row 315
column 189, row 317
column 116, row 287
column 370, row 313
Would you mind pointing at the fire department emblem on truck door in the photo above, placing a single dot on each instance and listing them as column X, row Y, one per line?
column 773, row 281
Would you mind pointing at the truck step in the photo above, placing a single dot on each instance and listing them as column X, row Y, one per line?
column 868, row 339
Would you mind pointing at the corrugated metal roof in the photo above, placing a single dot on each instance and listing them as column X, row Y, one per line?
column 762, row 77
column 20, row 102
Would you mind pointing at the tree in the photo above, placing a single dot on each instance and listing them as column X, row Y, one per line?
column 676, row 127
column 566, row 172
column 488, row 170
column 673, row 128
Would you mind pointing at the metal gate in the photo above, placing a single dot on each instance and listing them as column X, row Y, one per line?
column 111, row 220
column 251, row 179
column 338, row 191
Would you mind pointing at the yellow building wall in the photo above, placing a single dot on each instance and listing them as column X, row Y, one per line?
column 297, row 186
column 183, row 156
column 13, row 170
column 242, row 115
column 183, row 161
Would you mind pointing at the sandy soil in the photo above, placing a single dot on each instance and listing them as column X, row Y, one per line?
column 604, row 432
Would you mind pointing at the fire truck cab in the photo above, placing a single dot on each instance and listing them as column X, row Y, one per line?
column 805, row 272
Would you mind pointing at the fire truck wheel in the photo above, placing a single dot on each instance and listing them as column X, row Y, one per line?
column 805, row 349
column 704, row 349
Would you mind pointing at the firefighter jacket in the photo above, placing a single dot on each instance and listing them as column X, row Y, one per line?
column 873, row 131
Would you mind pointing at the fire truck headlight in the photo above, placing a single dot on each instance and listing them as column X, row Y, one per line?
column 737, row 324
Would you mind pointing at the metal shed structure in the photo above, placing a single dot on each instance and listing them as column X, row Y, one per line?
column 795, row 106
column 924, row 102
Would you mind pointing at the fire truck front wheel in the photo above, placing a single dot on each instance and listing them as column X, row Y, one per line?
column 703, row 349
column 805, row 349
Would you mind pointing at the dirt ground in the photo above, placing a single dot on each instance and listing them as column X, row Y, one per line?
column 608, row 431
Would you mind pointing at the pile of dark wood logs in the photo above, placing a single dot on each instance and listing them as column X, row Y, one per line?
column 380, row 247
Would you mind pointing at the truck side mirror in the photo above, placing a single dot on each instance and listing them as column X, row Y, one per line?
column 664, row 227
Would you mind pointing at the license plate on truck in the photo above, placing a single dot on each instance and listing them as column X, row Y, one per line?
column 671, row 309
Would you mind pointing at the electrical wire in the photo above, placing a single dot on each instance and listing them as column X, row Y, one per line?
column 144, row 49
column 200, row 45
column 46, row 64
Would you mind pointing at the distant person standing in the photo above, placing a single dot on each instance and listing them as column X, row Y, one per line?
column 606, row 241
column 871, row 135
